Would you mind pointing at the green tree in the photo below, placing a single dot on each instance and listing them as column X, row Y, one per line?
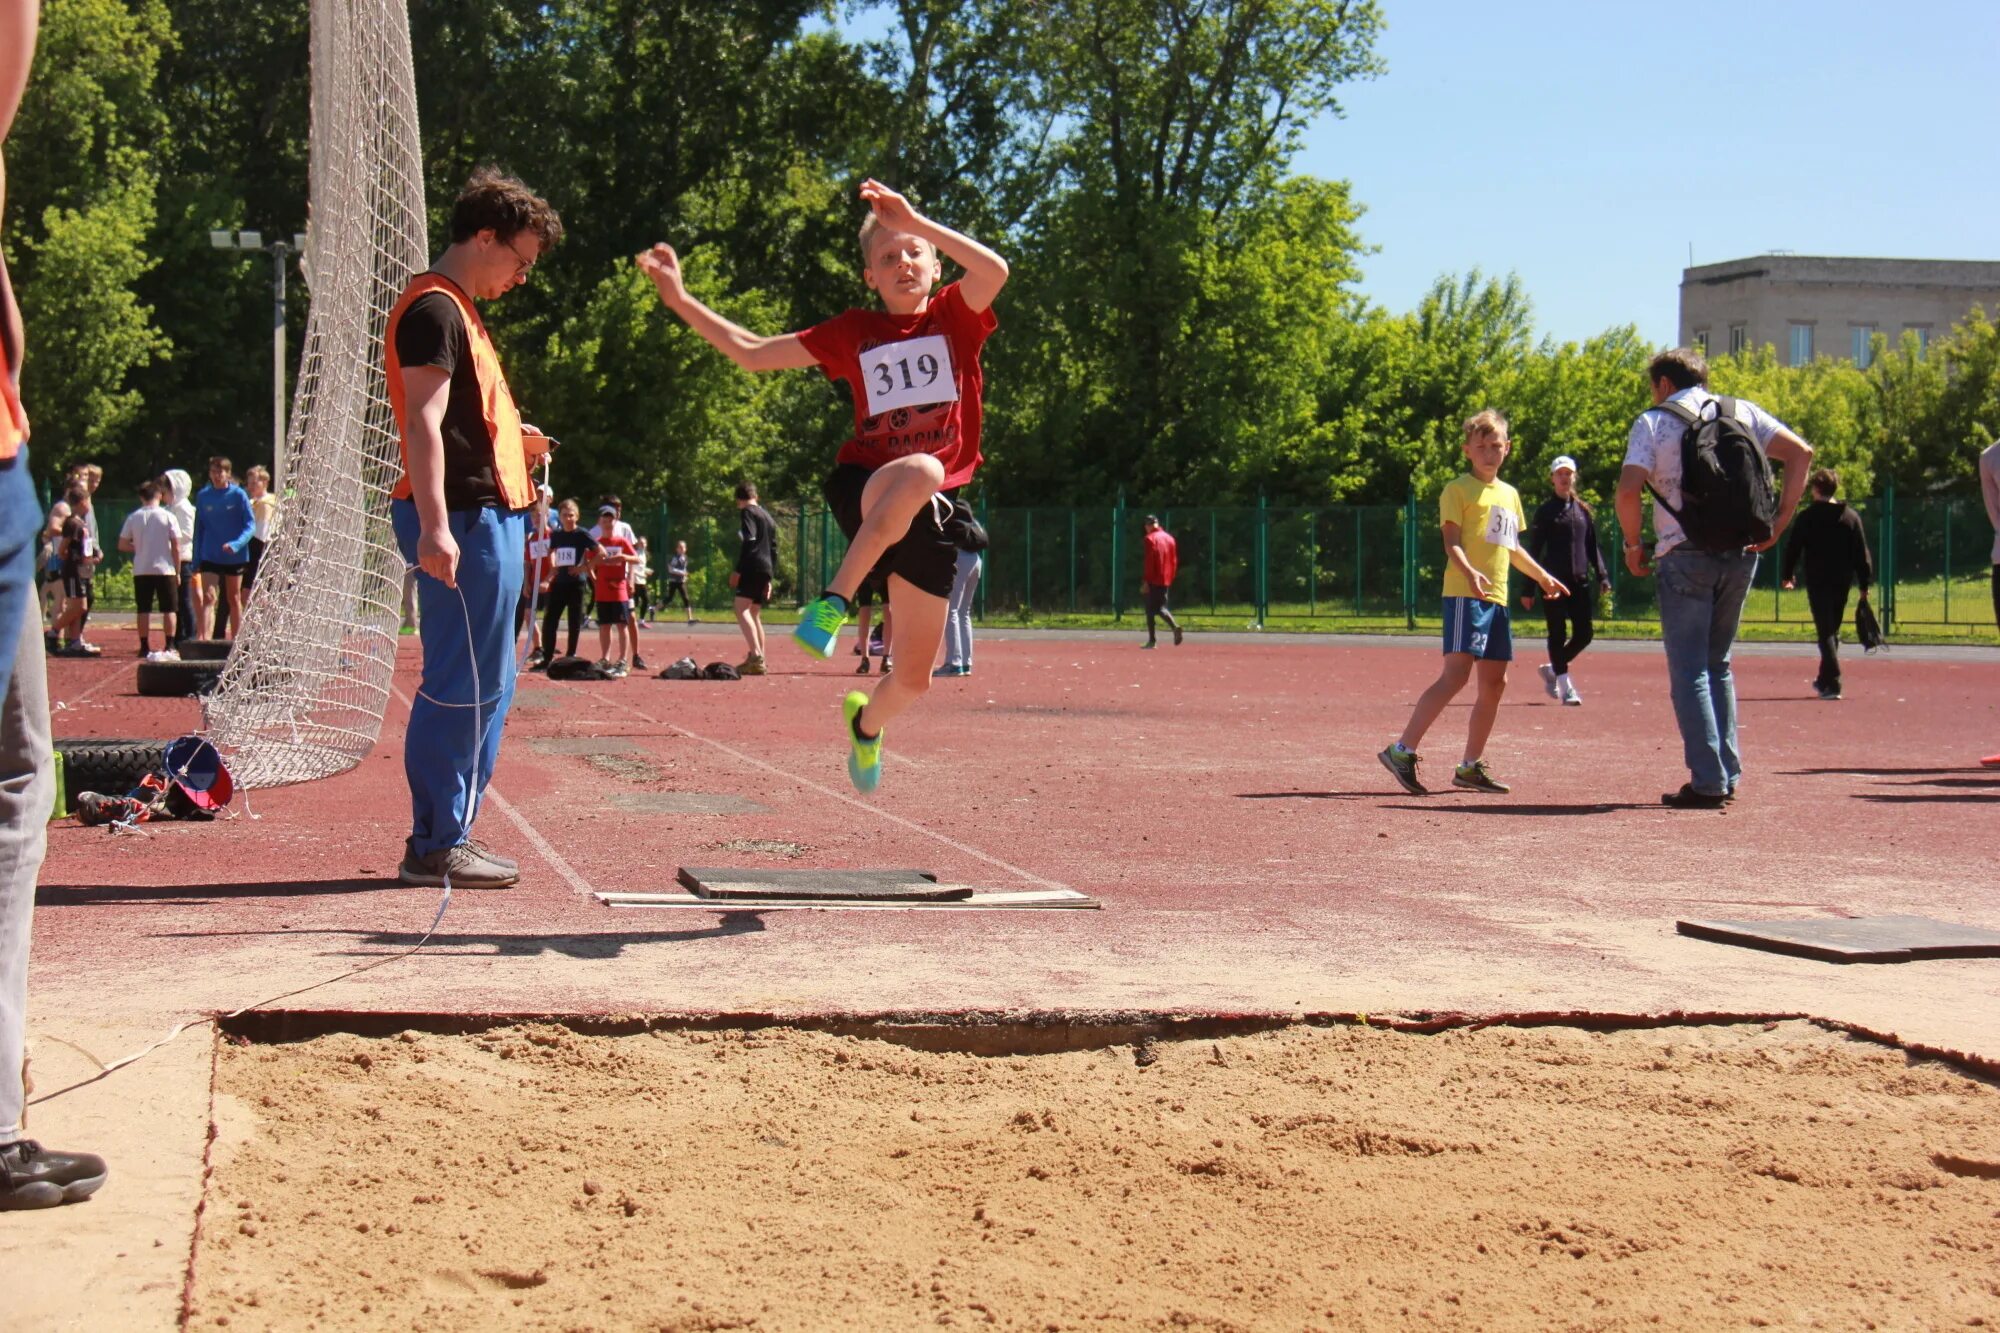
column 81, row 181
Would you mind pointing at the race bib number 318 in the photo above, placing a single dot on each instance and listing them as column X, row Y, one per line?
column 912, row 373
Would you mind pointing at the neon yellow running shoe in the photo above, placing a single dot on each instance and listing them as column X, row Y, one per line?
column 864, row 763
column 818, row 630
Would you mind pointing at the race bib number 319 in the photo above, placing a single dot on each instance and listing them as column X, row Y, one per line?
column 912, row 373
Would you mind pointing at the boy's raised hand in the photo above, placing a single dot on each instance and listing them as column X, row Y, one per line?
column 892, row 210
column 663, row 266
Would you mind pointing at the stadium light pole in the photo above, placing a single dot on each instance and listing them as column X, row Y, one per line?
column 278, row 249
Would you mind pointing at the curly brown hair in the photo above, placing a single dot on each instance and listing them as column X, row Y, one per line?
column 492, row 198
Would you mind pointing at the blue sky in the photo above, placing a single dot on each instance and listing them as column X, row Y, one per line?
column 1582, row 147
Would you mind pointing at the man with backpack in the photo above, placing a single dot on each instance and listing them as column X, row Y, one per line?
column 1706, row 461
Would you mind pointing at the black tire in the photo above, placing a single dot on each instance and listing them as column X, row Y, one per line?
column 174, row 680
column 111, row 768
column 205, row 650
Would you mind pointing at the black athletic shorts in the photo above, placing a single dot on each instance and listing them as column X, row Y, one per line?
column 76, row 585
column 1156, row 599
column 225, row 571
column 925, row 555
column 754, row 588
column 613, row 613
column 156, row 592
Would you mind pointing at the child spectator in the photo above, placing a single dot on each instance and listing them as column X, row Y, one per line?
column 535, row 579
column 677, row 581
column 570, row 550
column 1480, row 516
column 78, row 560
column 913, row 369
column 263, row 521
column 1563, row 539
column 611, row 566
column 756, row 564
column 642, row 596
column 614, row 524
column 175, row 486
column 223, row 526
column 153, row 540
column 51, row 566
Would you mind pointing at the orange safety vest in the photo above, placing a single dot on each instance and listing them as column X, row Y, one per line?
column 13, row 417
column 503, row 419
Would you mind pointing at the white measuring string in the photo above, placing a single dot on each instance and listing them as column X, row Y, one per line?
column 444, row 901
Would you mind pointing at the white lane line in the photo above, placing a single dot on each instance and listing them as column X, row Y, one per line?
column 541, row 845
column 846, row 799
column 109, row 676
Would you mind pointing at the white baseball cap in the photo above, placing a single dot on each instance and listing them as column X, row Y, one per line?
column 1562, row 461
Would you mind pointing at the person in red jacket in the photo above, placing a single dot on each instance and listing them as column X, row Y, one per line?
column 1163, row 560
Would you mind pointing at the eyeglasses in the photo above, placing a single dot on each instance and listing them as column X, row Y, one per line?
column 522, row 265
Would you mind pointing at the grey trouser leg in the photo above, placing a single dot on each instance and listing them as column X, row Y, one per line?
column 27, row 791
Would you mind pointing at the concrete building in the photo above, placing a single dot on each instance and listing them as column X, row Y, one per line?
column 1809, row 306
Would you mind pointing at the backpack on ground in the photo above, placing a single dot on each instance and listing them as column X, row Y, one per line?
column 684, row 669
column 720, row 671
column 1727, row 502
column 576, row 668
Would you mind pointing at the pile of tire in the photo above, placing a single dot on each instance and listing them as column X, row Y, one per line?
column 109, row 767
column 197, row 672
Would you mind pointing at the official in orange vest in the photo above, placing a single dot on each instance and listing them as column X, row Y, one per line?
column 460, row 515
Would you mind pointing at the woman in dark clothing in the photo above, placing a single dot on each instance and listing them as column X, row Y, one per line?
column 1563, row 540
column 1828, row 536
column 570, row 549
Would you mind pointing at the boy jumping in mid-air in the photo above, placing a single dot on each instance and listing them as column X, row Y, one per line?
column 913, row 368
column 1481, row 518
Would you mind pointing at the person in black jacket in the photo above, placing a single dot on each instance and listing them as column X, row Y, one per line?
column 1563, row 539
column 1829, row 538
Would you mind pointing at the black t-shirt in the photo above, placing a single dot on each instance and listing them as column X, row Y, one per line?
column 432, row 333
column 578, row 541
column 74, row 530
column 759, row 535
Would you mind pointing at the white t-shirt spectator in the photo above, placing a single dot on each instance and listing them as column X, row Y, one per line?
column 619, row 528
column 152, row 530
column 1655, row 445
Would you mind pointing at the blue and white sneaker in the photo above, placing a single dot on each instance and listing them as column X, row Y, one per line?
column 864, row 760
column 818, row 630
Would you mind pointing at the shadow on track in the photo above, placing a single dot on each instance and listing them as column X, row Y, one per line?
column 1518, row 808
column 611, row 944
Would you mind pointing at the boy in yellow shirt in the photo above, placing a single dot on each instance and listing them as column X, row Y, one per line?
column 1482, row 521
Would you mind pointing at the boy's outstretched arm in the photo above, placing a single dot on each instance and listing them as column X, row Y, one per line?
column 1552, row 587
column 748, row 350
column 985, row 271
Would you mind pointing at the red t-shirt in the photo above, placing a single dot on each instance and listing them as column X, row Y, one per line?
column 535, row 569
column 613, row 581
column 893, row 365
column 1163, row 559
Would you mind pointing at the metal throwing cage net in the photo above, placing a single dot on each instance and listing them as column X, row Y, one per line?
column 304, row 690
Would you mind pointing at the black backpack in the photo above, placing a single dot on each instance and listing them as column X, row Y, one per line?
column 1726, row 498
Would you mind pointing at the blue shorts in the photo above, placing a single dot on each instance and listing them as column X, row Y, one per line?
column 1482, row 628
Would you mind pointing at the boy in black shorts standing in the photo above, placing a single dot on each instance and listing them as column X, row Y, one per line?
column 153, row 540
column 913, row 368
column 756, row 564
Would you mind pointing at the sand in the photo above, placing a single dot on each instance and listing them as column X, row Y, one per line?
column 1548, row 1178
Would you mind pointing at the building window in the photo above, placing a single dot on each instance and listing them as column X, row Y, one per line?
column 1923, row 332
column 1864, row 345
column 1739, row 338
column 1701, row 341
column 1802, row 344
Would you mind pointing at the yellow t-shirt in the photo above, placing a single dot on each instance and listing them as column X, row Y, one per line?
column 1489, row 518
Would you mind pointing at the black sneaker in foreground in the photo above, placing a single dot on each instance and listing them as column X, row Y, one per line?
column 1474, row 777
column 33, row 1177
column 1687, row 798
column 1402, row 764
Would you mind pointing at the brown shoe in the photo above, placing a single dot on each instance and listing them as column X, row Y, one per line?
column 752, row 665
column 465, row 866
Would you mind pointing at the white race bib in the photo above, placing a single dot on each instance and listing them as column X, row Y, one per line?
column 565, row 556
column 1502, row 529
column 539, row 548
column 912, row 373
column 89, row 548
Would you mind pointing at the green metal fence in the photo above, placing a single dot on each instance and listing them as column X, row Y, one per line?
column 1373, row 565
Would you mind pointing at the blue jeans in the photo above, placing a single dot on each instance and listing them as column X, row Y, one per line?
column 958, row 611
column 453, row 741
column 1701, row 604
column 27, row 771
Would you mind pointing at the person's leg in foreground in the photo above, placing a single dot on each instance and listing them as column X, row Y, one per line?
column 1401, row 758
column 1701, row 602
column 919, row 629
column 894, row 494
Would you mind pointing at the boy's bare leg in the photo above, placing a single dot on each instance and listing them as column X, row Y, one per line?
column 894, row 494
column 757, row 624
column 1485, row 708
column 631, row 629
column 919, row 631
column 146, row 629
column 1457, row 670
column 232, row 589
column 604, row 640
column 746, row 620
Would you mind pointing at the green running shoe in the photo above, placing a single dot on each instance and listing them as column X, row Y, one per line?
column 1474, row 777
column 864, row 764
column 818, row 630
column 1403, row 765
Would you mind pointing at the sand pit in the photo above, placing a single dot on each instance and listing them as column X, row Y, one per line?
column 531, row 1177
